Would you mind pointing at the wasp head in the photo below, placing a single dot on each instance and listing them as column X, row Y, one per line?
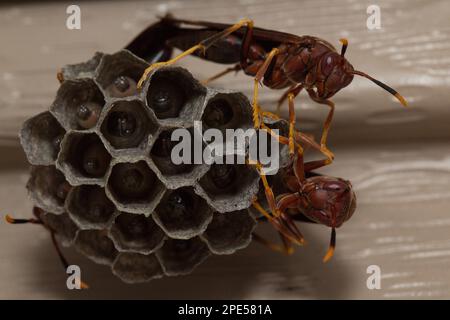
column 329, row 201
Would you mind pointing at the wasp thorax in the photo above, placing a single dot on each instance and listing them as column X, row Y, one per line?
column 122, row 86
column 166, row 98
column 87, row 114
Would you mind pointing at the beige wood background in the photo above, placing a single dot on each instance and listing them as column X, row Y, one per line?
column 397, row 159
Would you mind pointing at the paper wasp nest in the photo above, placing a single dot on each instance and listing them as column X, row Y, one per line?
column 102, row 172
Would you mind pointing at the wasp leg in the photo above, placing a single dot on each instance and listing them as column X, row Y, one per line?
column 268, row 191
column 259, row 76
column 270, row 115
column 284, row 96
column 327, row 124
column 287, row 247
column 278, row 224
column 292, row 120
column 203, row 46
column 235, row 68
column 38, row 220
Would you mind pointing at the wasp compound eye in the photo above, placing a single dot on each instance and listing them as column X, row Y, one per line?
column 122, row 86
column 166, row 98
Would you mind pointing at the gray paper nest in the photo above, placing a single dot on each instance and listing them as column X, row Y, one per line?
column 109, row 188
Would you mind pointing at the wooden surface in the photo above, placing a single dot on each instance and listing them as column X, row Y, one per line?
column 397, row 159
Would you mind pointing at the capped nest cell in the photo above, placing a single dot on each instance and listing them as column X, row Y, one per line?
column 104, row 173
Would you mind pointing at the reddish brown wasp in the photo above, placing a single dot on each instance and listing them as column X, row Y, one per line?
column 280, row 60
column 310, row 197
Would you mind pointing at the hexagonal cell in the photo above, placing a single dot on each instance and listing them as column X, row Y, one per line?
column 136, row 233
column 134, row 187
column 172, row 93
column 229, row 232
column 119, row 73
column 96, row 245
column 229, row 187
column 89, row 207
column 64, row 228
column 48, row 188
column 41, row 137
column 185, row 173
column 81, row 70
column 136, row 268
column 180, row 257
column 128, row 124
column 182, row 214
column 78, row 104
column 227, row 110
column 83, row 158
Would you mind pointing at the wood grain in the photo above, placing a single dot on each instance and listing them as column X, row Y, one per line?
column 397, row 159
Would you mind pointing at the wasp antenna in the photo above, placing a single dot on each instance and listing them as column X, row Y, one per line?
column 344, row 46
column 332, row 246
column 384, row 86
column 12, row 220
